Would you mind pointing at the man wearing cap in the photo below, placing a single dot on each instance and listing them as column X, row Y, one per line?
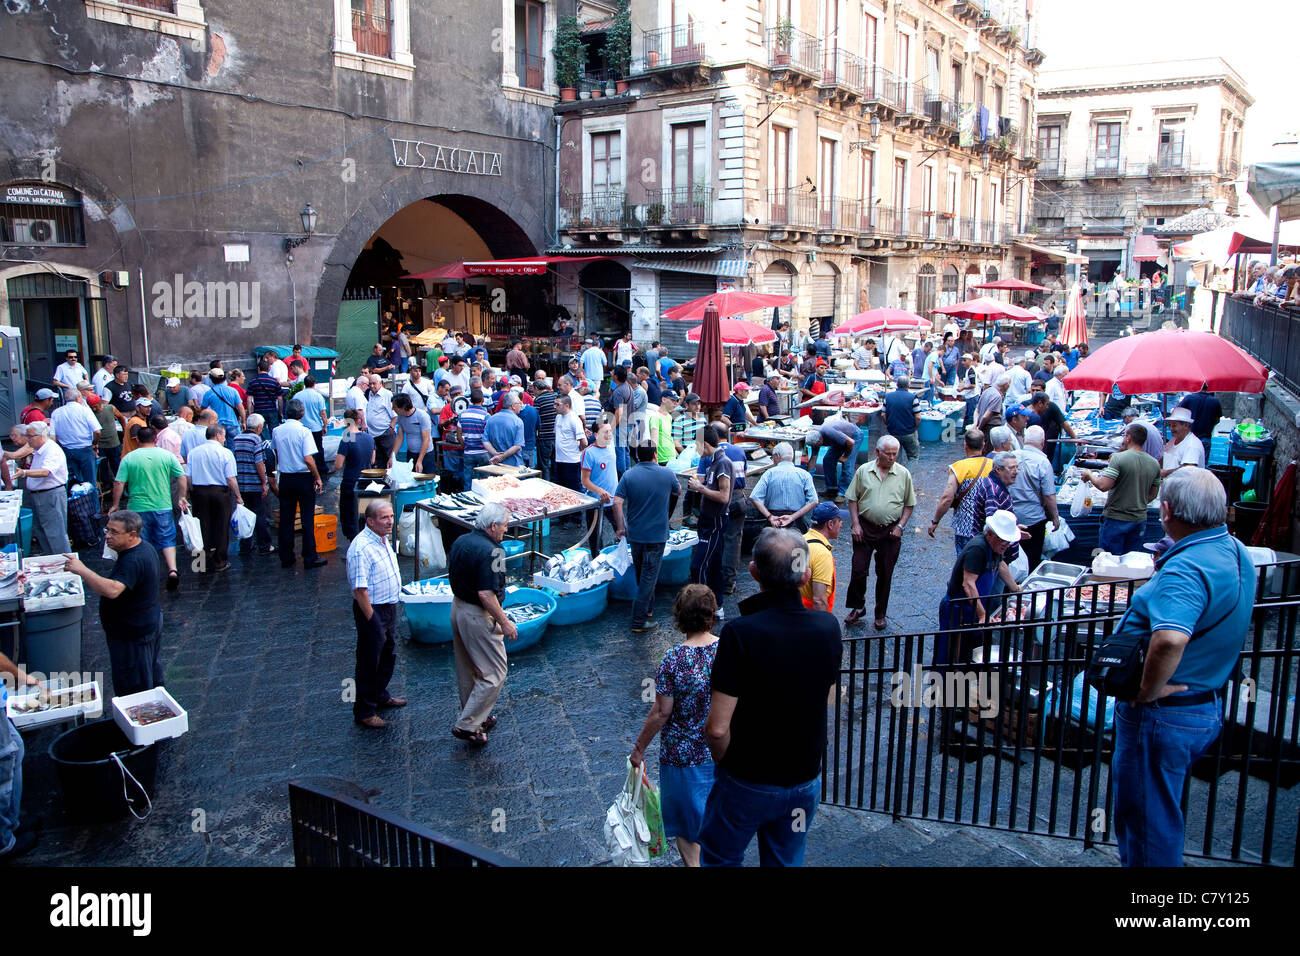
column 769, row 405
column 785, row 492
column 990, row 349
column 39, row 408
column 881, row 499
column 736, row 411
column 818, row 592
column 839, row 437
column 76, row 428
column 71, row 373
column 594, row 362
column 1184, row 449
column 105, row 375
column 980, row 565
column 1155, row 443
column 574, row 375
column 225, row 401
column 1206, row 412
column 903, row 417
column 1132, row 480
column 1033, row 494
column 173, row 394
column 1017, row 419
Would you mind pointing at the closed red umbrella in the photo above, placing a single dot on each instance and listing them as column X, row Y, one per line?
column 710, row 381
column 737, row 333
column 882, row 320
column 728, row 302
column 1169, row 360
column 1074, row 328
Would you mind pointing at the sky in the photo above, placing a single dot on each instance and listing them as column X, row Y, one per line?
column 1255, row 37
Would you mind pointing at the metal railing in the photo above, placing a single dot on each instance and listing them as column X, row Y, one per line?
column 1106, row 167
column 372, row 33
column 995, row 726
column 333, row 830
column 878, row 86
column 673, row 46
column 801, row 52
column 679, row 205
column 1271, row 333
column 939, row 110
column 841, row 68
column 1170, row 165
column 599, row 210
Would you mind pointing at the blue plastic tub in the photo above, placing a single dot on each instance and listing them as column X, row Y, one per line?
column 429, row 622
column 675, row 568
column 930, row 429
column 623, row 587
column 578, row 608
column 25, row 529
column 530, row 633
column 512, row 547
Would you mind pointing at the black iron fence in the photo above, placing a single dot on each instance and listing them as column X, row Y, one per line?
column 994, row 726
column 673, row 46
column 1271, row 333
column 333, row 830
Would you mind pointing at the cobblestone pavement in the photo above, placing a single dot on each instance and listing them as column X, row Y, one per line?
column 259, row 656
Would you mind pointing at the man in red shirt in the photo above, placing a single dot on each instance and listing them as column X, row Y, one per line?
column 39, row 409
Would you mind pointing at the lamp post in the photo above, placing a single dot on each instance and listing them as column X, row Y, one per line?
column 308, row 217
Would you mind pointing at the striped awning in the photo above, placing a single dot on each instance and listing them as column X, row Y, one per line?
column 728, row 268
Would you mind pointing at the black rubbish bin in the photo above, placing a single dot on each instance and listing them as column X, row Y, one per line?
column 1248, row 516
column 95, row 787
column 1230, row 476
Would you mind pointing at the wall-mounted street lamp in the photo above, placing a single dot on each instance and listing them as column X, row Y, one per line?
column 985, row 160
column 873, row 132
column 308, row 216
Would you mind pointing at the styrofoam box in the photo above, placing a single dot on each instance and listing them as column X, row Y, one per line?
column 149, row 733
column 77, row 598
column 89, row 709
column 690, row 542
column 540, row 580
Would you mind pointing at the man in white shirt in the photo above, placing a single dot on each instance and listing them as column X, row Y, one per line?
column 47, row 481
column 71, row 373
column 1055, row 388
column 104, row 376
column 593, row 364
column 459, row 375
column 624, row 348
column 417, row 387
column 891, row 348
column 1018, row 393
column 358, row 393
column 1185, row 448
column 279, row 371
column 380, row 419
column 990, row 349
column 570, row 440
column 212, row 474
column 76, row 428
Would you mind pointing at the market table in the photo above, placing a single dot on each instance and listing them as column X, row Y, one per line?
column 514, row 471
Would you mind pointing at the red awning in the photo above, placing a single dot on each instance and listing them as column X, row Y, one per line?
column 1146, row 249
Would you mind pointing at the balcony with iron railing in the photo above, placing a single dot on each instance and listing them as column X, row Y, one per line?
column 842, row 70
column 675, row 46
column 1170, row 163
column 939, row 110
column 1050, row 167
column 902, row 94
column 1106, row 167
column 604, row 209
column 879, row 87
column 793, row 50
column 372, row 33
column 678, row 206
column 531, row 70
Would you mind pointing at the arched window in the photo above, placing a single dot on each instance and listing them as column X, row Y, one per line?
column 991, row 274
column 951, row 286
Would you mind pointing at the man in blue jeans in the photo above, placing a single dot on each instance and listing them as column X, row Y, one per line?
column 1194, row 614
column 839, row 438
column 14, row 841
column 646, row 495
column 767, row 715
column 1132, row 480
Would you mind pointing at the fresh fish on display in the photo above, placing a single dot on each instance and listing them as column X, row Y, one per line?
column 524, row 613
column 427, row 587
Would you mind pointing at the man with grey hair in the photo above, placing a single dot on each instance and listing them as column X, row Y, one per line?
column 299, row 484
column 1002, row 438
column 1155, row 443
column 1033, row 493
column 881, row 499
column 988, row 411
column 785, row 492
column 1191, row 617
column 1055, row 387
column 47, row 488
column 993, row 493
column 77, row 429
column 768, row 758
column 479, row 626
column 376, row 581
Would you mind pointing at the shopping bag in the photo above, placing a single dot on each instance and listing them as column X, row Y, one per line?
column 634, row 832
column 1059, row 540
column 1077, row 507
column 432, row 558
column 244, row 520
column 1020, row 566
column 621, row 558
column 191, row 532
column 401, row 475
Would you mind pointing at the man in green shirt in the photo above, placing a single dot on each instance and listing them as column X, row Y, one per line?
column 109, row 441
column 661, row 428
column 880, row 499
column 146, row 474
column 1132, row 480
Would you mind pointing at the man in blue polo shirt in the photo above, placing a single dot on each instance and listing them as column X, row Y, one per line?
column 1195, row 613
column 646, row 495
column 903, row 417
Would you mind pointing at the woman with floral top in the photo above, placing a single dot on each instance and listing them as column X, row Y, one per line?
column 680, row 710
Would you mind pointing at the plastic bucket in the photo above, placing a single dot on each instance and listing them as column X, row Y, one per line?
column 1230, row 476
column 25, row 529
column 1248, row 516
column 580, row 607
column 428, row 621
column 327, row 533
column 675, row 568
column 623, row 587
column 93, row 784
column 530, row 633
column 930, row 429
column 52, row 640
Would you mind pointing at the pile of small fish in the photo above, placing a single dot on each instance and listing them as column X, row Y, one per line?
column 498, row 483
column 51, row 589
column 564, row 498
column 52, row 700
column 524, row 507
column 427, row 587
column 682, row 536
column 524, row 613
column 575, row 567
column 463, row 504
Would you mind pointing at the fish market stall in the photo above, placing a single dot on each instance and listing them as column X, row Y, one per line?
column 53, row 601
column 578, row 582
column 427, row 606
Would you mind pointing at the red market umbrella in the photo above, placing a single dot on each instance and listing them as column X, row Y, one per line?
column 985, row 308
column 710, row 381
column 1074, row 328
column 1168, row 360
column 728, row 302
column 737, row 333
column 1011, row 285
column 882, row 320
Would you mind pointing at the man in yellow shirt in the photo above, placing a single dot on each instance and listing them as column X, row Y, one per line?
column 819, row 592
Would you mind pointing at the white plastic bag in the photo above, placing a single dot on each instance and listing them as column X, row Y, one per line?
column 192, row 532
column 1054, row 541
column 401, row 475
column 406, row 533
column 245, row 521
column 1077, row 507
column 628, row 834
column 1020, row 566
column 621, row 558
column 432, row 558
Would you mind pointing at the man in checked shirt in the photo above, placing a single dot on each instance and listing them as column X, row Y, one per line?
column 376, row 588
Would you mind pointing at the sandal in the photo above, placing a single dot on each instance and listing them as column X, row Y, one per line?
column 489, row 723
column 476, row 737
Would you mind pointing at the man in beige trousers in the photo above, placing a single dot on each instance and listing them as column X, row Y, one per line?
column 479, row 626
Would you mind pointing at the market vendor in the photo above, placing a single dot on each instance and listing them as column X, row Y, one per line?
column 769, row 405
column 14, row 840
column 972, row 581
column 736, row 412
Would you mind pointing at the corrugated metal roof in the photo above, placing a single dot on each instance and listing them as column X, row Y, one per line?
column 728, row 268
column 630, row 250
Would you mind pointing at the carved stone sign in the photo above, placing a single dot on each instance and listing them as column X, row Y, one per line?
column 451, row 159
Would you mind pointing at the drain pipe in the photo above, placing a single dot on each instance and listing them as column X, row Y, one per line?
column 556, row 181
column 293, row 293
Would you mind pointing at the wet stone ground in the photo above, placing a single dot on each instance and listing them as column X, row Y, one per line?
column 259, row 657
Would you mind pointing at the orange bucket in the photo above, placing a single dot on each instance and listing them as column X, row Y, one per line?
column 327, row 533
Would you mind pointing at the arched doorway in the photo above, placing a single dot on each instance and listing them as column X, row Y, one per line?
column 951, row 286
column 926, row 289
column 778, row 279
column 825, row 288
column 972, row 277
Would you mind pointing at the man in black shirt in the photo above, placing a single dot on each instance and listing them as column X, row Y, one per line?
column 479, row 626
column 1053, row 421
column 119, row 394
column 971, row 581
column 378, row 362
column 767, row 716
column 128, row 605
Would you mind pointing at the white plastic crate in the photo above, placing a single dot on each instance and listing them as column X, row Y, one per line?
column 141, row 734
column 29, row 719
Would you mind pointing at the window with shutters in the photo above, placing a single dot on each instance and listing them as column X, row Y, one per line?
column 926, row 282
column 867, row 189
column 1106, row 147
column 781, row 173
column 530, row 17
column 690, row 171
column 374, row 36
column 1049, row 150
